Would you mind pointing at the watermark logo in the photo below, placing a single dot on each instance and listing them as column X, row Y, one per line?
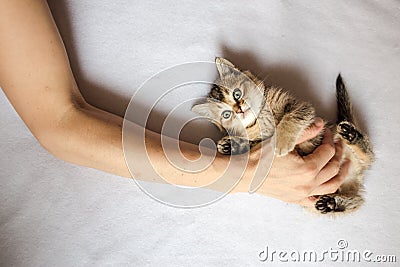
column 342, row 244
column 152, row 168
column 342, row 253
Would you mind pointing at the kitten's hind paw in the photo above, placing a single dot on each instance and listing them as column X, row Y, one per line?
column 338, row 203
column 348, row 131
column 233, row 145
column 326, row 204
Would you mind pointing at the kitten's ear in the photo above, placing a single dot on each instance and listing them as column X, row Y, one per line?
column 258, row 83
column 224, row 66
column 203, row 110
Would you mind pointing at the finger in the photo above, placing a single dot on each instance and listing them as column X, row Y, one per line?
column 339, row 150
column 311, row 131
column 323, row 153
column 332, row 168
column 333, row 184
column 328, row 138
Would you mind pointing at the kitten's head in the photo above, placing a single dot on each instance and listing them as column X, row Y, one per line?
column 235, row 100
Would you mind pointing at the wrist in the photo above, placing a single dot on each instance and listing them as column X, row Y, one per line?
column 244, row 183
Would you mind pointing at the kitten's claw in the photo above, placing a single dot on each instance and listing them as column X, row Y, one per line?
column 326, row 204
column 283, row 147
column 224, row 149
column 281, row 152
column 233, row 145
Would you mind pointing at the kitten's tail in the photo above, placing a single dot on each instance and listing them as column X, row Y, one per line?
column 345, row 111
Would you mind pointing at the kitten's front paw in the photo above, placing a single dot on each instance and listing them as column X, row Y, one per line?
column 348, row 131
column 231, row 145
column 284, row 145
column 224, row 146
column 326, row 204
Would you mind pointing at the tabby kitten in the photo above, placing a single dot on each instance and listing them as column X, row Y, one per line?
column 250, row 113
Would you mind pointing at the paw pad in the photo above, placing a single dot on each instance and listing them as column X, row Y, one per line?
column 348, row 131
column 233, row 146
column 224, row 148
column 326, row 204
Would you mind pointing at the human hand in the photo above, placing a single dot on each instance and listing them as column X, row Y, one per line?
column 297, row 179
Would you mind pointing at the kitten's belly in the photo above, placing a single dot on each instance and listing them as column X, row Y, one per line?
column 354, row 177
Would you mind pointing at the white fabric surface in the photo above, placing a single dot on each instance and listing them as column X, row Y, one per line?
column 56, row 214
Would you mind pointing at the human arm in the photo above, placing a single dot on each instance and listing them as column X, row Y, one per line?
column 37, row 79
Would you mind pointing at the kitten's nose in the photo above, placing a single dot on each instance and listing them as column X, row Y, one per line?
column 238, row 109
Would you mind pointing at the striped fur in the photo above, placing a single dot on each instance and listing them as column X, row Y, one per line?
column 261, row 112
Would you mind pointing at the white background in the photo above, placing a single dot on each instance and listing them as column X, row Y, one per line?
column 54, row 213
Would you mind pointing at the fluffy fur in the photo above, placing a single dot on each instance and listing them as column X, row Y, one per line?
column 250, row 113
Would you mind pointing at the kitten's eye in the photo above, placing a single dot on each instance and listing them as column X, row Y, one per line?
column 237, row 94
column 226, row 114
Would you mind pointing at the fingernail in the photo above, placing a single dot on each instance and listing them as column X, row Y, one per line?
column 318, row 122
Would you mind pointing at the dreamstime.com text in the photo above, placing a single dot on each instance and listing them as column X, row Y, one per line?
column 339, row 254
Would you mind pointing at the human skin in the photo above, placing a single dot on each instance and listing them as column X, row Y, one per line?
column 36, row 77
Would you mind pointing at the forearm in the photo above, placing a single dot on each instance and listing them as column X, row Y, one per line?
column 88, row 137
column 93, row 138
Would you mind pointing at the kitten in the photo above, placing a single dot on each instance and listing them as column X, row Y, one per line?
column 250, row 113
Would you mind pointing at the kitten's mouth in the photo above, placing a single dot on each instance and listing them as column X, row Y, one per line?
column 245, row 114
column 239, row 110
column 242, row 109
column 245, row 110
